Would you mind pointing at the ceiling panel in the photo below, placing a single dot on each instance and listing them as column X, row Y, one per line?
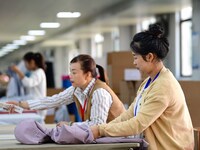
column 19, row 16
column 98, row 16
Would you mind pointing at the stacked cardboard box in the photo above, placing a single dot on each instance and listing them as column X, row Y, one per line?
column 197, row 138
column 191, row 90
column 117, row 62
column 50, row 114
column 128, row 91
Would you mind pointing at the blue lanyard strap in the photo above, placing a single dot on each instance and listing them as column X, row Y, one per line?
column 146, row 86
column 149, row 81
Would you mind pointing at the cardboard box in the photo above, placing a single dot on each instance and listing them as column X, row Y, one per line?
column 191, row 90
column 121, row 58
column 116, row 63
column 128, row 91
column 50, row 113
column 197, row 138
column 115, row 75
column 52, row 91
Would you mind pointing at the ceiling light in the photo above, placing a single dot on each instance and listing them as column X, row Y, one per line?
column 7, row 50
column 2, row 52
column 36, row 32
column 50, row 25
column 11, row 46
column 98, row 38
column 27, row 38
column 19, row 42
column 68, row 14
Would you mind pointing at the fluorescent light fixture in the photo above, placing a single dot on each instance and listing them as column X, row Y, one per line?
column 98, row 38
column 50, row 25
column 7, row 50
column 68, row 14
column 36, row 32
column 2, row 53
column 19, row 42
column 11, row 46
column 27, row 37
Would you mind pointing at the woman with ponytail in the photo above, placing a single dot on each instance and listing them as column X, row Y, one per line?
column 159, row 112
column 36, row 83
column 95, row 101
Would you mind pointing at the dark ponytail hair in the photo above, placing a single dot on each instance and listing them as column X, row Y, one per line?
column 102, row 74
column 37, row 57
column 151, row 41
column 87, row 64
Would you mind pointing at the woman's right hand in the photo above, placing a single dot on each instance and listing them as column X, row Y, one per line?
column 13, row 102
column 12, row 105
column 95, row 131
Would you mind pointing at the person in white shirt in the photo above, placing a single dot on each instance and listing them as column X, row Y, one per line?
column 36, row 83
column 15, row 88
column 95, row 101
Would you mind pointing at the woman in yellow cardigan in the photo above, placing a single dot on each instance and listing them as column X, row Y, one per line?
column 159, row 112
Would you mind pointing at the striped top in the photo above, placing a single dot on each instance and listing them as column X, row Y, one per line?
column 101, row 102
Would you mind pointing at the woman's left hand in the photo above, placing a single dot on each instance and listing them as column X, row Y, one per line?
column 95, row 131
column 14, row 68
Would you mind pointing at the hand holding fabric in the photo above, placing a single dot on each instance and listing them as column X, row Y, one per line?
column 95, row 131
column 11, row 108
column 15, row 68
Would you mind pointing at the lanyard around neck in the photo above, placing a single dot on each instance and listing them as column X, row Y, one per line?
column 83, row 109
column 140, row 95
column 149, row 80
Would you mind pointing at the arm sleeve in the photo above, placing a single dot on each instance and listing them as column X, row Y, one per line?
column 65, row 97
column 34, row 80
column 129, row 113
column 101, row 103
column 155, row 104
column 125, row 115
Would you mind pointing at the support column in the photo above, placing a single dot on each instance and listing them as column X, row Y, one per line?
column 85, row 46
column 125, row 36
column 107, row 47
column 60, row 65
column 196, row 39
column 173, row 58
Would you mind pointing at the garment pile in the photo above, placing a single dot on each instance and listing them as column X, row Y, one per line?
column 32, row 132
